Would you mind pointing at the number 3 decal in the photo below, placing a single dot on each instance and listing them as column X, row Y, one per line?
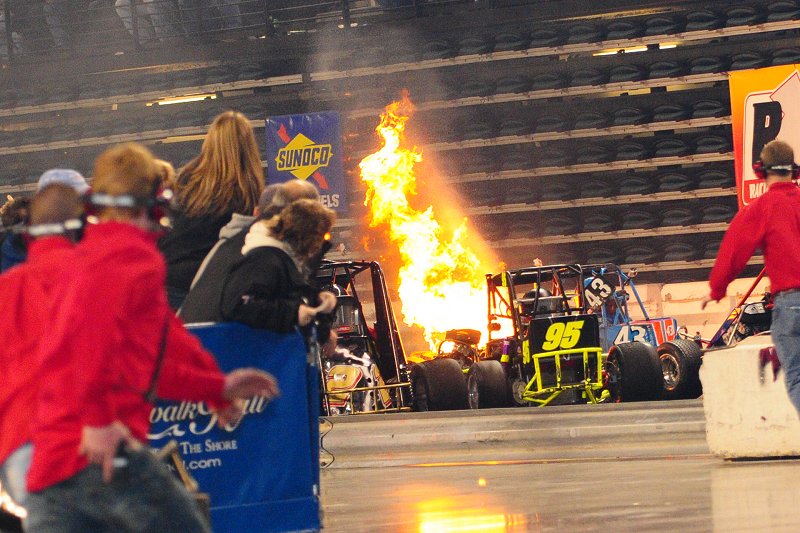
column 564, row 335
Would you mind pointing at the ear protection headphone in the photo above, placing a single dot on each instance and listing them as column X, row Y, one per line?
column 761, row 170
column 157, row 204
column 72, row 229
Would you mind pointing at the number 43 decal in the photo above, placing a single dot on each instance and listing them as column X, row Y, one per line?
column 563, row 335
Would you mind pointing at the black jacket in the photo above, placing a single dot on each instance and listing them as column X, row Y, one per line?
column 264, row 289
column 185, row 247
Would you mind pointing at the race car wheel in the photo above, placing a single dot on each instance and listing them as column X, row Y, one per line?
column 439, row 385
column 487, row 385
column 517, row 390
column 634, row 373
column 680, row 366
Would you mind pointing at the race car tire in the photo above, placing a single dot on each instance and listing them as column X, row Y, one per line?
column 487, row 385
column 680, row 365
column 634, row 373
column 439, row 385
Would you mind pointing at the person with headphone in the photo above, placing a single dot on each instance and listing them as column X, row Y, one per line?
column 112, row 347
column 26, row 291
column 771, row 223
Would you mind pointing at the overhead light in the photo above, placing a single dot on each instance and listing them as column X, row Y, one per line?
column 667, row 46
column 184, row 99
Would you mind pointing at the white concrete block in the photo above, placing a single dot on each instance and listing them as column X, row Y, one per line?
column 744, row 417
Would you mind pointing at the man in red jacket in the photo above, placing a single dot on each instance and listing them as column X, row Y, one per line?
column 112, row 342
column 26, row 294
column 772, row 223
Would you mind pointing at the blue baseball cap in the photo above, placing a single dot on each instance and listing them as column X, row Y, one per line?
column 65, row 176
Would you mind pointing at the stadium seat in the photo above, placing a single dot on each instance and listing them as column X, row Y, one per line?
column 631, row 150
column 744, row 16
column 8, row 98
column 677, row 216
column 513, row 84
column 782, row 10
column 666, row 69
column 639, row 218
column 548, row 80
column 189, row 78
column 476, row 129
column 670, row 113
column 786, row 56
column 712, row 179
column 554, row 189
column 514, row 126
column 624, row 29
column 588, row 76
column 475, row 87
column 252, row 71
column 704, row 19
column 557, row 224
column 585, row 32
column 552, row 157
column 628, row 116
column 507, row 41
column 707, row 65
column 602, row 254
column 479, row 162
column 437, row 49
column 748, row 60
column 596, row 188
column 711, row 249
column 679, row 251
column 520, row 192
column 709, row 108
column 706, row 144
column 598, row 222
column 674, row 181
column 547, row 123
column 220, row 74
column 713, row 213
column 486, row 194
column 623, row 73
column 663, row 25
column 523, row 229
column 636, row 185
column 590, row 120
column 516, row 159
column 492, row 231
column 671, row 148
column 546, row 37
column 475, row 44
column 639, row 253
column 592, row 153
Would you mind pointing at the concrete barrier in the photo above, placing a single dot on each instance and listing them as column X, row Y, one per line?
column 746, row 418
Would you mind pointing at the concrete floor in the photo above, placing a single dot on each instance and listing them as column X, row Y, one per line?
column 690, row 494
column 616, row 468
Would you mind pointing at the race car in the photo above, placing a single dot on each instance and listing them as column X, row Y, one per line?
column 546, row 338
column 369, row 371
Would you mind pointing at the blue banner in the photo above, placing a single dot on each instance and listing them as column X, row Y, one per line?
column 263, row 473
column 308, row 147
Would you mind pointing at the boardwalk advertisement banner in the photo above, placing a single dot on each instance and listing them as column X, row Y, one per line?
column 308, row 147
column 765, row 105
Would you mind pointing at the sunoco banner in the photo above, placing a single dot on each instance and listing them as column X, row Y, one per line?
column 765, row 105
column 308, row 147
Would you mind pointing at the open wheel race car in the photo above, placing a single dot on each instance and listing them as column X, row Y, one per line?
column 551, row 348
column 369, row 372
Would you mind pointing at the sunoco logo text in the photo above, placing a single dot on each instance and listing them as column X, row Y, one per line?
column 302, row 157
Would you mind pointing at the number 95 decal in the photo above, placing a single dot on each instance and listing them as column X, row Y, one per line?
column 562, row 335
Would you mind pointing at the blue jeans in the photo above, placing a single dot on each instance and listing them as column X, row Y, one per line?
column 142, row 496
column 13, row 473
column 786, row 336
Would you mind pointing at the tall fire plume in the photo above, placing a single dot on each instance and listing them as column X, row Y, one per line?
column 441, row 282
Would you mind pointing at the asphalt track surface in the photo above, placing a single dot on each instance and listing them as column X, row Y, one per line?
column 630, row 467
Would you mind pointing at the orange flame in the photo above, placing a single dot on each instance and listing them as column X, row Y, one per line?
column 440, row 282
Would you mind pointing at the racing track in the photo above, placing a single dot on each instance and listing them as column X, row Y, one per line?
column 625, row 467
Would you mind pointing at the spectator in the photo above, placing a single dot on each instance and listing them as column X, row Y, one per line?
column 26, row 293
column 111, row 346
column 202, row 304
column 155, row 19
column 15, row 212
column 269, row 286
column 771, row 223
column 226, row 178
column 167, row 173
column 199, row 15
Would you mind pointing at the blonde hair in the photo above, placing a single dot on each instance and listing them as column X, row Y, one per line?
column 303, row 225
column 167, row 172
column 125, row 169
column 227, row 175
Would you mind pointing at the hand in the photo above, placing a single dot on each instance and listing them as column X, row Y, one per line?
column 231, row 414
column 330, row 345
column 305, row 314
column 100, row 445
column 706, row 300
column 245, row 383
column 327, row 302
